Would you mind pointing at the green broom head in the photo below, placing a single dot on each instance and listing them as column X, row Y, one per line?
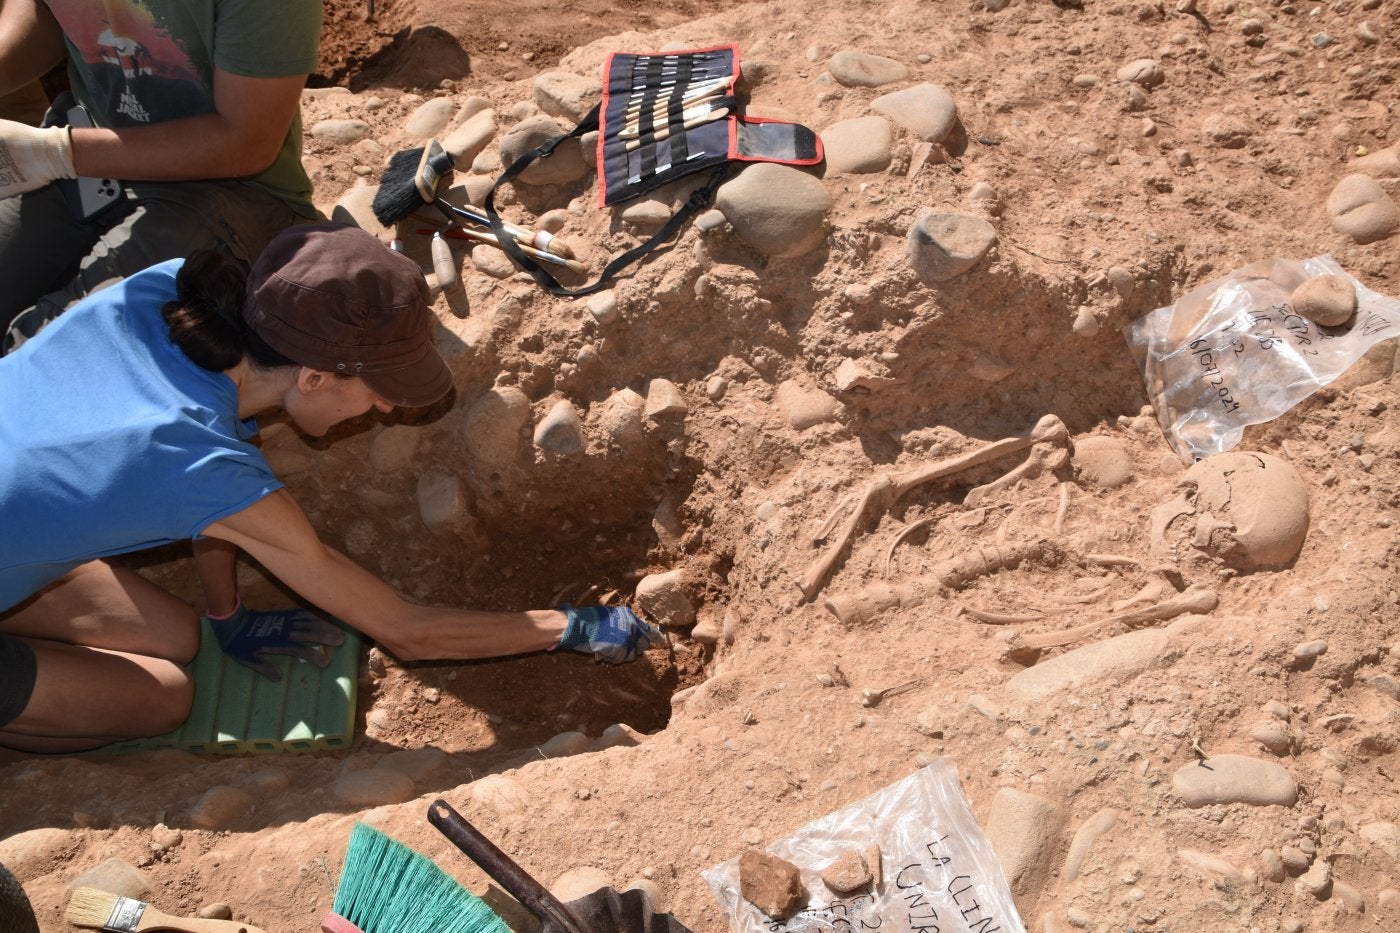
column 386, row 887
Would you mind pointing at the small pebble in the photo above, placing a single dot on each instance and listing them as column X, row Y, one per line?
column 561, row 430
column 1271, row 865
column 163, row 837
column 220, row 807
column 565, row 744
column 1079, row 919
column 1310, row 649
column 1295, row 861
column 603, row 306
column 1273, row 737
column 1317, row 880
column 848, row 873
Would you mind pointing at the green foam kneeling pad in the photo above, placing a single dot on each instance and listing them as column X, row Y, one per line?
column 238, row 711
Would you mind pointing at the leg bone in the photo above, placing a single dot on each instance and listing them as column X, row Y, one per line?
column 1196, row 598
column 886, row 489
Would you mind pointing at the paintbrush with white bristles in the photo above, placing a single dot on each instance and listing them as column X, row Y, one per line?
column 98, row 910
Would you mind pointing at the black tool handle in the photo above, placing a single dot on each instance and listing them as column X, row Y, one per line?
column 555, row 917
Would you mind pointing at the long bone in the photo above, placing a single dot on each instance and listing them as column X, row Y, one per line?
column 1196, row 598
column 1042, row 457
column 884, row 489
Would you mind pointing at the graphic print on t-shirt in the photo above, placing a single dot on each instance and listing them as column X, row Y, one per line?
column 140, row 72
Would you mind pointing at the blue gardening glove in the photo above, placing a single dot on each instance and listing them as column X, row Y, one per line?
column 249, row 636
column 610, row 633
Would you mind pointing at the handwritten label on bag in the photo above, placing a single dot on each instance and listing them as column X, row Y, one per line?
column 1234, row 352
column 940, row 875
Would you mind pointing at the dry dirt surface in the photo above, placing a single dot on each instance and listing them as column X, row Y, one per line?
column 800, row 381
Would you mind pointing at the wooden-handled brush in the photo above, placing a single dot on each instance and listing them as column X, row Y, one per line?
column 413, row 179
column 482, row 236
column 98, row 910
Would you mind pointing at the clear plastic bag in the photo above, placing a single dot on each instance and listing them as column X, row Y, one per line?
column 1232, row 352
column 940, row 872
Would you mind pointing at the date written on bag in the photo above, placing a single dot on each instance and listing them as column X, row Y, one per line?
column 1234, row 352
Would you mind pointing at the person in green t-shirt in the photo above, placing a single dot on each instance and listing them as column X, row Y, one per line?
column 195, row 110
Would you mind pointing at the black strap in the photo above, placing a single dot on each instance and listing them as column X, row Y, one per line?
column 699, row 199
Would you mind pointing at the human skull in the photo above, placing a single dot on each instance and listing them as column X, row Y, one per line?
column 1249, row 510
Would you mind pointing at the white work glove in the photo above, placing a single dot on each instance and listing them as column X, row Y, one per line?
column 31, row 157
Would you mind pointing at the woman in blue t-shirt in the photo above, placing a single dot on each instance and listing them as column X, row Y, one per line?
column 126, row 424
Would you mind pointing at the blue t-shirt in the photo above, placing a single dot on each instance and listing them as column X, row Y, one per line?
column 112, row 440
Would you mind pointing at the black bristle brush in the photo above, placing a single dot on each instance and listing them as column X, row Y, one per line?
column 411, row 181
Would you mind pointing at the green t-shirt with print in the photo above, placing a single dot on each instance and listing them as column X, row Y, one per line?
column 136, row 62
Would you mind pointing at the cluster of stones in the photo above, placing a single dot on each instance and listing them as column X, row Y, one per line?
column 500, row 427
column 1029, row 830
column 781, row 211
column 365, row 782
column 778, row 210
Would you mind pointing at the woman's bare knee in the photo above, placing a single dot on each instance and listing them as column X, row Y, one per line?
column 172, row 704
column 97, row 696
column 158, row 703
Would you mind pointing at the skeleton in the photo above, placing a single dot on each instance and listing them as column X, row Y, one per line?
column 1048, row 441
column 1248, row 511
column 904, row 533
column 865, row 605
column 1049, row 432
column 1000, row 618
column 1042, row 458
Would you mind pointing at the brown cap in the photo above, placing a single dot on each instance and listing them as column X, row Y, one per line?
column 332, row 297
